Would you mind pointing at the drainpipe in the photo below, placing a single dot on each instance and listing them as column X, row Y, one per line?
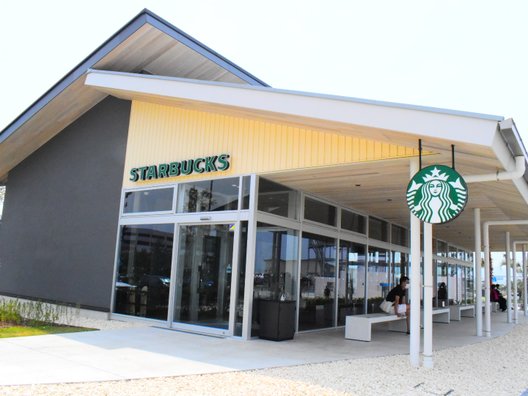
column 520, row 168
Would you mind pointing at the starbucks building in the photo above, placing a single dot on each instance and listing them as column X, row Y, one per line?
column 159, row 181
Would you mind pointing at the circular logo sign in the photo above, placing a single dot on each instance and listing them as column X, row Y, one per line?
column 437, row 194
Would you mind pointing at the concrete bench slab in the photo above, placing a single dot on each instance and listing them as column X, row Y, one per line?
column 359, row 327
column 459, row 311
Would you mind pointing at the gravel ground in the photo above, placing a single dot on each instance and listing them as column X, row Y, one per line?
column 498, row 367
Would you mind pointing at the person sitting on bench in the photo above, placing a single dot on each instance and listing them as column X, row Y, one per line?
column 397, row 296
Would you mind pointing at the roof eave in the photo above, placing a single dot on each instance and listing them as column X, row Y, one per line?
column 144, row 17
column 456, row 127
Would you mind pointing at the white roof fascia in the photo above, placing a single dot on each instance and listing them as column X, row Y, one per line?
column 447, row 125
column 503, row 154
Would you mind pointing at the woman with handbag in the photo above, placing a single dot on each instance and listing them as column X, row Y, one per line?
column 396, row 301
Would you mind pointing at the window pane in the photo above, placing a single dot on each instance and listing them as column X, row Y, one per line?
column 442, row 296
column 378, row 278
column 441, row 248
column 317, row 285
column 246, row 184
column 143, row 279
column 400, row 266
column 452, row 284
column 277, row 199
column 148, row 201
column 351, row 299
column 275, row 268
column 319, row 211
column 378, row 229
column 452, row 252
column 208, row 196
column 353, row 222
column 399, row 236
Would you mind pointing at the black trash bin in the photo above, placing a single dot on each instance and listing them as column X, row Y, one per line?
column 277, row 320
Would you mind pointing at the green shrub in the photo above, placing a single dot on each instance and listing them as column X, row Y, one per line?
column 33, row 312
column 10, row 312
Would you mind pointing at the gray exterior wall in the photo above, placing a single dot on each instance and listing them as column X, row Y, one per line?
column 58, row 233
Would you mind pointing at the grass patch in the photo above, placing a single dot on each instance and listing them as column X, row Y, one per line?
column 24, row 331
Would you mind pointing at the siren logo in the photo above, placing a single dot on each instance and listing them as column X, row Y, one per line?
column 437, row 194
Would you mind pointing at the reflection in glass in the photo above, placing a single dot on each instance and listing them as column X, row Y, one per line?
column 246, row 186
column 378, row 229
column 399, row 236
column 275, row 267
column 441, row 248
column 378, row 278
column 277, row 199
column 319, row 211
column 204, row 275
column 470, row 291
column 442, row 294
column 351, row 299
column 144, row 266
column 148, row 200
column 451, row 283
column 317, row 283
column 400, row 262
column 208, row 196
column 461, row 281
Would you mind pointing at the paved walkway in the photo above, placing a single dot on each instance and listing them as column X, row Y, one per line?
column 154, row 352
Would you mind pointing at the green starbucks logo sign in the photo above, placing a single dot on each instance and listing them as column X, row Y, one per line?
column 437, row 194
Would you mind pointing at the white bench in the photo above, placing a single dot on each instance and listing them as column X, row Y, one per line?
column 457, row 311
column 440, row 315
column 494, row 306
column 359, row 327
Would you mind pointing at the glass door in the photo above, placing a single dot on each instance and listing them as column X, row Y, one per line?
column 317, row 283
column 203, row 276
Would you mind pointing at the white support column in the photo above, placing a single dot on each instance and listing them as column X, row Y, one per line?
column 428, row 296
column 250, row 260
column 508, row 278
column 414, row 339
column 514, row 280
column 478, row 270
column 487, row 307
column 525, row 287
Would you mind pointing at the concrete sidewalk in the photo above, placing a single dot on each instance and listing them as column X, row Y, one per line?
column 154, row 352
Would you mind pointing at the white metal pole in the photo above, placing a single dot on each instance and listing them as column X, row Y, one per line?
column 478, row 269
column 428, row 296
column 250, row 261
column 525, row 287
column 514, row 279
column 508, row 278
column 487, row 307
column 414, row 339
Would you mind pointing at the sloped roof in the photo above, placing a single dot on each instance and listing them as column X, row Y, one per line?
column 147, row 44
column 484, row 145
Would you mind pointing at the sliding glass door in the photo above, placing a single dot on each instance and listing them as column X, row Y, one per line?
column 203, row 279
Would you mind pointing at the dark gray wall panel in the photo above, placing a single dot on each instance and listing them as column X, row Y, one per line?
column 58, row 233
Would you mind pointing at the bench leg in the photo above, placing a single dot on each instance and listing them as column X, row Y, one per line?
column 442, row 318
column 358, row 329
column 398, row 325
column 468, row 313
